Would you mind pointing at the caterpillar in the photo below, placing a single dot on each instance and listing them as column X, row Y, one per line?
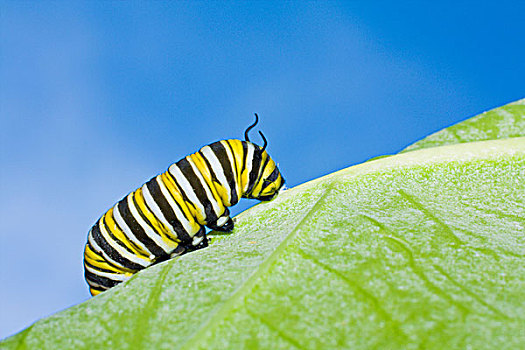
column 166, row 217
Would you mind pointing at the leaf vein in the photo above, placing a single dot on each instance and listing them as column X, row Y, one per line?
column 400, row 243
column 355, row 286
column 150, row 308
column 270, row 326
column 449, row 233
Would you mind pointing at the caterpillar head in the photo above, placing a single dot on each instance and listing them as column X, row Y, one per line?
column 269, row 180
column 271, row 186
column 265, row 179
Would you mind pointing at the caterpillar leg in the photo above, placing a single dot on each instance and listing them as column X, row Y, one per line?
column 226, row 227
column 223, row 224
column 199, row 241
column 180, row 250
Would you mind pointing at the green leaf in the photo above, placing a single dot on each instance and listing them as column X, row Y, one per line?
column 424, row 249
column 503, row 122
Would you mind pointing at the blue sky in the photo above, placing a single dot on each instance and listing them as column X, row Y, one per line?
column 97, row 98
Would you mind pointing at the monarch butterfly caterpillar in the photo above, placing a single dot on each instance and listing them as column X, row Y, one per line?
column 166, row 216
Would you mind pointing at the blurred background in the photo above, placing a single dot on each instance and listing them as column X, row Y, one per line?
column 97, row 98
